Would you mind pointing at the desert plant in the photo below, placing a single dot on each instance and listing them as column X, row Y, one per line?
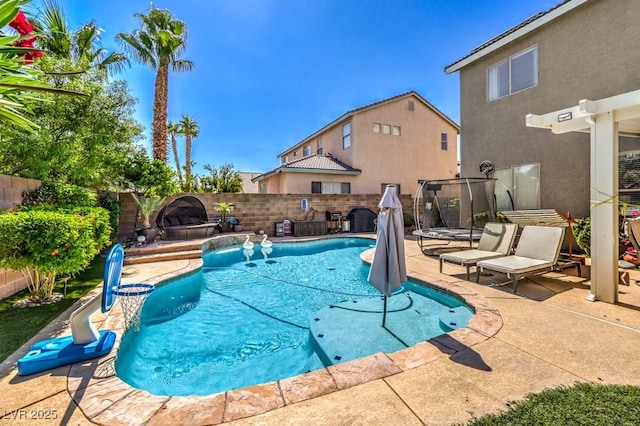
column 147, row 205
column 224, row 209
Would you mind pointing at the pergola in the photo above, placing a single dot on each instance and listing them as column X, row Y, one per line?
column 605, row 119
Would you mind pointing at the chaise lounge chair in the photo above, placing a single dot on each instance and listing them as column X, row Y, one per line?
column 496, row 241
column 536, row 253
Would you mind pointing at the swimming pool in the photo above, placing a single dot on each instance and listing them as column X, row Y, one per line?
column 300, row 307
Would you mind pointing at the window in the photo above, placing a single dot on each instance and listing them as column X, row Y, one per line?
column 396, row 130
column 319, row 146
column 330, row 188
column 629, row 177
column 518, row 187
column 295, row 153
column 263, row 188
column 383, row 187
column 286, row 159
column 386, row 129
column 376, row 127
column 306, row 150
column 346, row 136
column 444, row 144
column 517, row 73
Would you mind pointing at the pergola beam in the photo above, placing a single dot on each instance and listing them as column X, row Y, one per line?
column 603, row 119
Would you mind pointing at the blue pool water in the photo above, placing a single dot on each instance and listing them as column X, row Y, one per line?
column 241, row 322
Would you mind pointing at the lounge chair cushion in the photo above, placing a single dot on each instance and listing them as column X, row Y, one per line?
column 515, row 264
column 469, row 256
column 536, row 253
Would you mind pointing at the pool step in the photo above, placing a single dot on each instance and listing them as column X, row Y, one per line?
column 453, row 318
column 137, row 259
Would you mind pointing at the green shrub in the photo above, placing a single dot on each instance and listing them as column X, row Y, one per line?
column 60, row 194
column 43, row 244
column 582, row 233
column 107, row 201
column 408, row 219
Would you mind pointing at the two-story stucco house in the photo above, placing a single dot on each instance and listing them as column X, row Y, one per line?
column 580, row 49
column 554, row 103
column 397, row 141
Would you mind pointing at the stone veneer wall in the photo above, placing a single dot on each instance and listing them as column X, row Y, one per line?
column 263, row 211
column 11, row 188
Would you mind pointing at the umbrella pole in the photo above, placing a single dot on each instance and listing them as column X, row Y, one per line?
column 384, row 311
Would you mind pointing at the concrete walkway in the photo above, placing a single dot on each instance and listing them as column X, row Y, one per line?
column 550, row 336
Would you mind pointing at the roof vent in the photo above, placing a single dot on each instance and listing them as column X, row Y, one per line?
column 410, row 105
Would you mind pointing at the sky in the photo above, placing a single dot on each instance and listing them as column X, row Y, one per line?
column 269, row 73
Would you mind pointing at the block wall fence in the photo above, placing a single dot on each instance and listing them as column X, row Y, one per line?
column 263, row 211
column 258, row 212
column 11, row 188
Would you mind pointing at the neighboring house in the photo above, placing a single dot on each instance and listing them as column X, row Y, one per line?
column 580, row 49
column 249, row 187
column 397, row 141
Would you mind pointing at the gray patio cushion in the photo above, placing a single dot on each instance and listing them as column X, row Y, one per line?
column 496, row 241
column 537, row 251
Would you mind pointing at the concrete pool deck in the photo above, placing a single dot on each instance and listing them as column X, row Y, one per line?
column 546, row 336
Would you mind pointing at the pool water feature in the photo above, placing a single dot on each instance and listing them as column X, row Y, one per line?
column 304, row 306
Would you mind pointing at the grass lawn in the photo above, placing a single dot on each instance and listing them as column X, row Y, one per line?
column 581, row 404
column 17, row 326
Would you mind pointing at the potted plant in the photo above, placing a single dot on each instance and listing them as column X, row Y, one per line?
column 224, row 209
column 146, row 206
column 237, row 224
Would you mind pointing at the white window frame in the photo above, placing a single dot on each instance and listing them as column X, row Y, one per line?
column 386, row 129
column 306, row 150
column 510, row 179
column 505, row 69
column 319, row 146
column 444, row 141
column 346, row 135
column 376, row 127
column 396, row 131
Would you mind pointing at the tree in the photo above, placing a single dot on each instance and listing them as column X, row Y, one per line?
column 82, row 46
column 173, row 130
column 85, row 141
column 159, row 43
column 148, row 177
column 189, row 128
column 224, row 179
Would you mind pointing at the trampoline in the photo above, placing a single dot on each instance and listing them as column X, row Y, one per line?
column 453, row 209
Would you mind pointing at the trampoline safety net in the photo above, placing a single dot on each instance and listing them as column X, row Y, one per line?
column 454, row 204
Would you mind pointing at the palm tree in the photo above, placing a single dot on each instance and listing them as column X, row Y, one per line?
column 173, row 130
column 158, row 44
column 81, row 46
column 189, row 128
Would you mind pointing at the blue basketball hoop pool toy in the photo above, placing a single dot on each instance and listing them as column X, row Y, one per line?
column 86, row 341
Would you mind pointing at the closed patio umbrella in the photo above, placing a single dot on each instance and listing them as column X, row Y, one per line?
column 388, row 268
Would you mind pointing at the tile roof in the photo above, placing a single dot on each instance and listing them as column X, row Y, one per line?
column 508, row 32
column 319, row 163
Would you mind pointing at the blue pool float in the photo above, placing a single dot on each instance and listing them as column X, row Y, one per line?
column 86, row 341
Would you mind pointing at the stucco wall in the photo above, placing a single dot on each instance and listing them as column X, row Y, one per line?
column 415, row 154
column 588, row 53
column 11, row 188
column 263, row 211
